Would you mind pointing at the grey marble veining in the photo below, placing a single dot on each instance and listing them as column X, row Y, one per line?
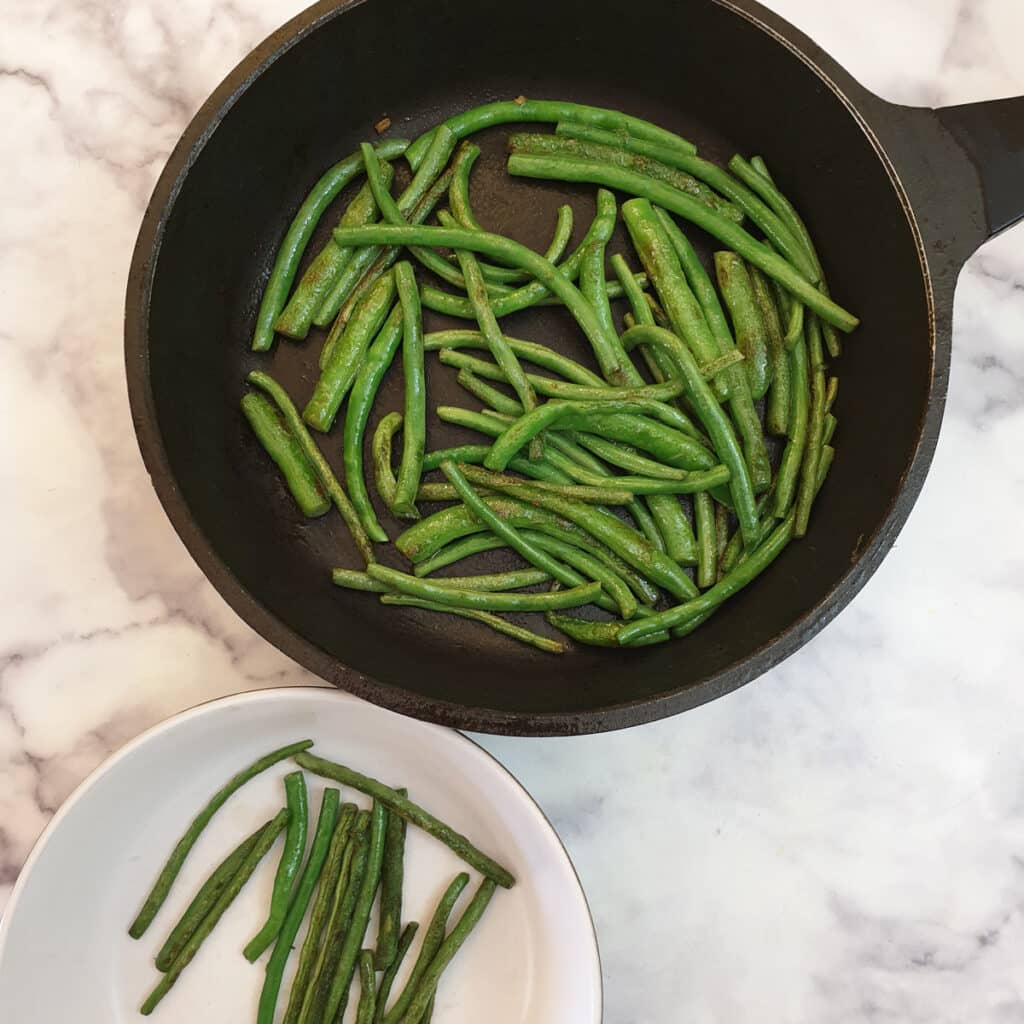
column 841, row 842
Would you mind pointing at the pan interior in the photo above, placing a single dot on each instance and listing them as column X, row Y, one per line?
column 696, row 68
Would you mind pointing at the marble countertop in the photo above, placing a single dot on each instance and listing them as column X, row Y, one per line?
column 842, row 841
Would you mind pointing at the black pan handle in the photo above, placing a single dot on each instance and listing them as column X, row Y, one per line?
column 992, row 135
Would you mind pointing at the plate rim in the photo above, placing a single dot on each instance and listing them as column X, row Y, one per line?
column 7, row 913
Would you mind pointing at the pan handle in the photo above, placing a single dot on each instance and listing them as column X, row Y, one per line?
column 991, row 133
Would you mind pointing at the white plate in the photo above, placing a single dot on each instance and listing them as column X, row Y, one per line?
column 64, row 950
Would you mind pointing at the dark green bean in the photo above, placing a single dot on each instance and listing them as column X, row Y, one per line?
column 799, row 410
column 751, row 337
column 551, row 111
column 808, row 487
column 777, row 406
column 597, row 634
column 727, row 232
column 268, row 834
column 297, row 317
column 391, row 882
column 707, row 540
column 512, row 580
column 496, row 622
column 297, row 911
column 446, row 951
column 309, row 448
column 714, row 420
column 432, row 940
column 381, row 448
column 412, row 813
column 289, row 256
column 162, row 886
column 203, row 900
column 777, row 232
column 338, row 996
column 318, row 915
column 287, row 868
column 348, row 354
column 367, row 1006
column 279, row 444
column 388, row 978
column 379, row 357
column 556, row 145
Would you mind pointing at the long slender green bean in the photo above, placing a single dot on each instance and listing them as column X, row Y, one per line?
column 379, row 357
column 598, row 634
column 476, row 453
column 726, row 231
column 556, row 145
column 495, row 622
column 348, row 354
column 808, row 487
column 309, row 448
column 625, row 457
column 297, row 316
column 707, row 543
column 279, row 444
column 268, row 834
column 162, row 886
column 799, row 412
column 550, row 111
column 297, row 911
column 287, row 868
column 203, row 901
column 432, row 939
column 391, row 971
column 286, row 263
column 751, row 337
column 338, row 995
column 777, row 406
column 511, row 580
column 453, row 941
column 367, row 1005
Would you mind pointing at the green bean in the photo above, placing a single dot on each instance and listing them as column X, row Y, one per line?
column 381, row 448
column 379, row 357
column 551, row 111
column 625, row 457
column 162, row 886
column 707, row 544
column 540, row 355
column 348, row 354
column 556, row 145
column 799, row 410
column 828, row 428
column 392, row 877
column 830, row 393
column 268, row 834
column 318, row 915
column 751, row 336
column 591, row 494
column 309, row 448
column 446, row 951
column 693, row 483
column 432, row 939
column 482, row 600
column 795, row 323
column 730, row 234
column 495, row 622
column 391, row 971
column 338, row 996
column 778, row 233
column 597, row 634
column 604, row 343
column 808, row 487
column 367, row 989
column 714, row 420
column 297, row 317
column 346, row 892
column 203, row 900
column 512, row 580
column 289, row 256
column 279, row 444
column 537, row 554
column 297, row 910
column 645, row 521
column 412, row 813
column 287, row 868
column 476, row 453
column 777, row 406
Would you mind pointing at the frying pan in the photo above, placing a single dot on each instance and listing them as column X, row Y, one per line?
column 896, row 197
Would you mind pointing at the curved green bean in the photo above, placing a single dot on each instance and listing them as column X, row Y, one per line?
column 279, row 444
column 162, row 886
column 384, row 476
column 309, row 448
column 287, row 868
column 297, row 910
column 286, row 263
column 597, row 634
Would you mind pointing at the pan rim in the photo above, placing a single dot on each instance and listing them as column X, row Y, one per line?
column 479, row 718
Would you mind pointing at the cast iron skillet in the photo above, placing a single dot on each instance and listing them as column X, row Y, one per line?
column 897, row 199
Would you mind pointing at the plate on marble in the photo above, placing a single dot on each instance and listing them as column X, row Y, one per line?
column 64, row 949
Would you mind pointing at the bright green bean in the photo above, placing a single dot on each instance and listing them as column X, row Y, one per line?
column 799, row 411
column 279, row 444
column 707, row 541
column 384, row 477
column 286, row 263
column 597, row 634
column 751, row 337
column 287, row 868
column 808, row 487
column 162, row 886
column 777, row 406
column 492, row 582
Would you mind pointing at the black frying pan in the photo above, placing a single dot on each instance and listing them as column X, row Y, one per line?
column 897, row 199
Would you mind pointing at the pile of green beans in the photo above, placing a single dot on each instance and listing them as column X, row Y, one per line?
column 646, row 492
column 354, row 856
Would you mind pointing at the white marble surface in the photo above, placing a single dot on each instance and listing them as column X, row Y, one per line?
column 841, row 842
